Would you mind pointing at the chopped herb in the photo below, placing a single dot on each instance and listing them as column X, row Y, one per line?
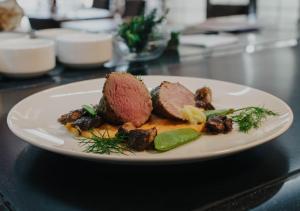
column 90, row 109
column 102, row 143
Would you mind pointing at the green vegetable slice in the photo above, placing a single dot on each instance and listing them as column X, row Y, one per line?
column 174, row 138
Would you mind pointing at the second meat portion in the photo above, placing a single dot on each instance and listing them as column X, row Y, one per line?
column 169, row 99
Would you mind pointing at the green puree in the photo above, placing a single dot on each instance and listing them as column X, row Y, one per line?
column 174, row 138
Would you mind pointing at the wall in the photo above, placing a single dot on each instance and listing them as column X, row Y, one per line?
column 278, row 11
column 193, row 11
column 186, row 12
column 269, row 11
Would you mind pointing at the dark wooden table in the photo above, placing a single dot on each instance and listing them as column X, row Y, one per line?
column 264, row 178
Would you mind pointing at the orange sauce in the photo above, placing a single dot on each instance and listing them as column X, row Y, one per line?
column 160, row 124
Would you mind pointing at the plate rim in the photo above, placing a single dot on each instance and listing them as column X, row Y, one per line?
column 153, row 160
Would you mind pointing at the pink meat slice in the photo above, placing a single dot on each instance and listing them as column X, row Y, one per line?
column 128, row 98
column 169, row 98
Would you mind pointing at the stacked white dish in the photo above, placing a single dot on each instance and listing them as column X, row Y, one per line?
column 26, row 57
column 53, row 34
column 21, row 56
column 79, row 49
column 12, row 35
column 84, row 49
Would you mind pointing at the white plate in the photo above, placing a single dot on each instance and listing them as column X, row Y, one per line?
column 34, row 119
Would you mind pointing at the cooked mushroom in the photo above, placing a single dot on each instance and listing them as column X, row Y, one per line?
column 204, row 105
column 228, row 125
column 218, row 124
column 126, row 128
column 71, row 116
column 140, row 139
column 88, row 122
column 203, row 98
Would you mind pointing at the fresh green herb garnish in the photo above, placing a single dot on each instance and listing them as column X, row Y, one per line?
column 104, row 144
column 246, row 118
column 251, row 117
column 90, row 109
column 138, row 31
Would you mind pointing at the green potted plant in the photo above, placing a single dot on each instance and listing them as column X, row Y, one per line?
column 142, row 38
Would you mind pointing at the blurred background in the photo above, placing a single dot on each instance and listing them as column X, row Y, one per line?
column 181, row 12
column 206, row 28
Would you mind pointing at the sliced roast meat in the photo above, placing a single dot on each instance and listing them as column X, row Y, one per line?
column 125, row 99
column 169, row 98
column 203, row 98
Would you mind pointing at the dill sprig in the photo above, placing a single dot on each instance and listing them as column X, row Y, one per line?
column 102, row 143
column 250, row 117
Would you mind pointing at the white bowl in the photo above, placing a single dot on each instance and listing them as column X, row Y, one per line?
column 26, row 57
column 53, row 34
column 83, row 49
column 12, row 35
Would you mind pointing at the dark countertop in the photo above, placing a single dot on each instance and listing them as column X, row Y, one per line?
column 264, row 178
